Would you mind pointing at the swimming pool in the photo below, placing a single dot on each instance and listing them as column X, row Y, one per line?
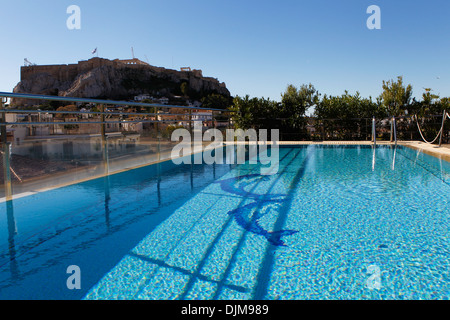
column 336, row 222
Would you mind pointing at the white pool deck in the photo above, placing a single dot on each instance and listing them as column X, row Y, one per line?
column 442, row 152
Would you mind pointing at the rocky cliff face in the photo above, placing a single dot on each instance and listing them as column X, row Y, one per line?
column 106, row 79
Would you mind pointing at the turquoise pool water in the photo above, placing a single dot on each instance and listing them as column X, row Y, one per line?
column 336, row 222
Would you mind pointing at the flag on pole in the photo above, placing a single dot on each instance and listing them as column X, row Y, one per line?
column 95, row 50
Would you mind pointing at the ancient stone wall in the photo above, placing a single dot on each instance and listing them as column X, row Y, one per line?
column 112, row 79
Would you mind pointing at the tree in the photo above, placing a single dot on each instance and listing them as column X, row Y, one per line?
column 184, row 89
column 396, row 97
column 255, row 113
column 243, row 115
column 216, row 101
column 445, row 104
column 288, row 115
column 346, row 116
column 49, row 105
column 431, row 104
column 294, row 104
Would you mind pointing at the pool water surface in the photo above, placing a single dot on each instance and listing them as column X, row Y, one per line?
column 335, row 222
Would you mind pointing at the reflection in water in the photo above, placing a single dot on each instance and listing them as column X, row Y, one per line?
column 12, row 232
column 373, row 158
column 84, row 216
column 393, row 159
column 443, row 174
column 158, row 182
column 248, row 216
column 194, row 248
column 107, row 200
column 192, row 177
column 418, row 152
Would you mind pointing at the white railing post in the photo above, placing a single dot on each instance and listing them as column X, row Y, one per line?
column 374, row 132
column 105, row 155
column 6, row 154
column 395, row 129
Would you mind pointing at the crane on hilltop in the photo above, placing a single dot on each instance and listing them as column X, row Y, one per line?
column 28, row 63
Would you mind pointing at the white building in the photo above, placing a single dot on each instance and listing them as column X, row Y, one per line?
column 205, row 117
column 194, row 104
column 143, row 97
column 163, row 100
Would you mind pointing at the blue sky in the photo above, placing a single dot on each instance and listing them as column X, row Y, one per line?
column 255, row 47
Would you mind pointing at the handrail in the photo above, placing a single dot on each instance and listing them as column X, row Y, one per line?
column 102, row 117
column 91, row 122
column 374, row 132
column 100, row 101
column 20, row 111
column 184, row 115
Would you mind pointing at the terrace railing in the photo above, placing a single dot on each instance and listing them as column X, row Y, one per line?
column 43, row 148
column 402, row 128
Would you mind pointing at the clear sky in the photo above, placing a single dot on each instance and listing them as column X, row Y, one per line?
column 256, row 47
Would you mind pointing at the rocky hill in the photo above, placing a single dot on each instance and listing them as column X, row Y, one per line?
column 114, row 79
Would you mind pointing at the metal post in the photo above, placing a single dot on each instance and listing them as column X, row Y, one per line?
column 190, row 121
column 190, row 129
column 156, row 119
column 395, row 130
column 392, row 130
column 442, row 128
column 7, row 170
column 6, row 154
column 374, row 132
column 158, row 135
column 104, row 142
column 159, row 147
